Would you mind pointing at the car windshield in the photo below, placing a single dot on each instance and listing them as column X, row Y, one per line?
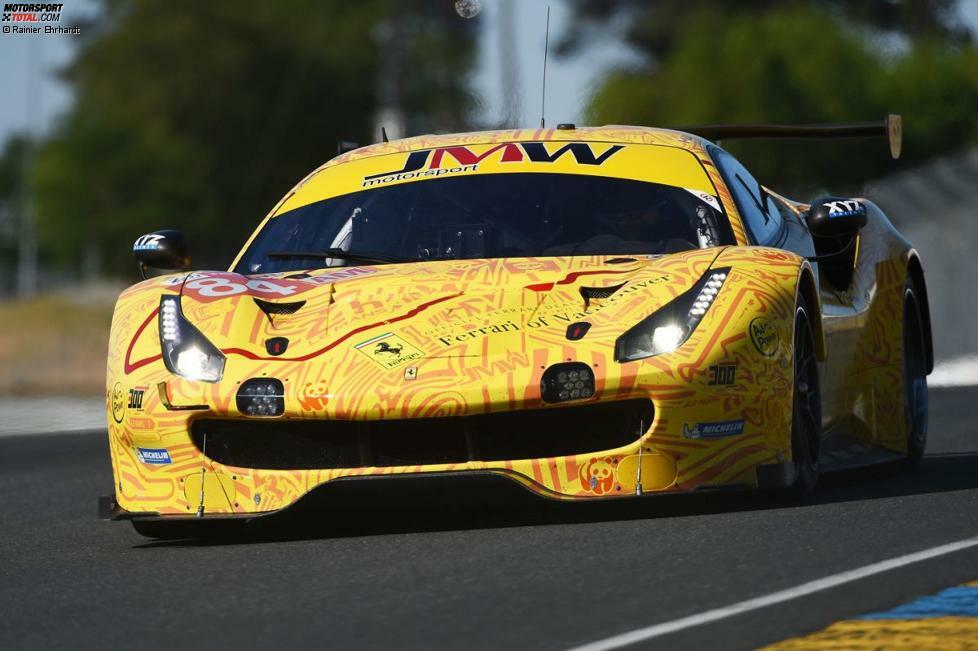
column 489, row 216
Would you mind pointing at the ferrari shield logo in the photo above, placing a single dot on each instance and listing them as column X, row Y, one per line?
column 389, row 350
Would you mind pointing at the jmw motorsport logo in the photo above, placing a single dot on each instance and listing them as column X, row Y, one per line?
column 32, row 12
column 433, row 162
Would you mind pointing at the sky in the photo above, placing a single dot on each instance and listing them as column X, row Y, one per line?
column 569, row 79
column 35, row 103
column 33, row 97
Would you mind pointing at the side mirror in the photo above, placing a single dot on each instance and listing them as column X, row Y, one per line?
column 835, row 217
column 166, row 249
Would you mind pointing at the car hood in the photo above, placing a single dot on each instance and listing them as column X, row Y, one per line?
column 438, row 308
column 480, row 310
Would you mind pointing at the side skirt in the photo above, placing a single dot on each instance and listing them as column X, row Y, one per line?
column 843, row 452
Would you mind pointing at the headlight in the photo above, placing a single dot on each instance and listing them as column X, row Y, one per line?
column 186, row 352
column 261, row 397
column 567, row 381
column 667, row 329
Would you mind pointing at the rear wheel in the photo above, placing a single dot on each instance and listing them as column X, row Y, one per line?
column 806, row 417
column 914, row 377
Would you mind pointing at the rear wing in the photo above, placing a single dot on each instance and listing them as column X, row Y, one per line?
column 891, row 127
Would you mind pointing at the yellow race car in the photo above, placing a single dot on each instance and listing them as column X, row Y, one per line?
column 586, row 313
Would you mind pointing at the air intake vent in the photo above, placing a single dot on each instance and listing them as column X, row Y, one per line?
column 597, row 293
column 271, row 309
column 327, row 443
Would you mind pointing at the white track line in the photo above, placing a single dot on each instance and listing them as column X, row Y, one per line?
column 52, row 415
column 657, row 630
column 959, row 372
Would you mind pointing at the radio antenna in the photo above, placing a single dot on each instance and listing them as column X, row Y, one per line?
column 546, row 46
column 203, row 458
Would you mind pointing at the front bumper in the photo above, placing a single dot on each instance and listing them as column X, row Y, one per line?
column 247, row 473
column 434, row 490
column 395, row 496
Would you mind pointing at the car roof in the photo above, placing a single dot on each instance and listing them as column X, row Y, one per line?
column 614, row 133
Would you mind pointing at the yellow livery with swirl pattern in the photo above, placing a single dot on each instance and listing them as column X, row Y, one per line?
column 591, row 313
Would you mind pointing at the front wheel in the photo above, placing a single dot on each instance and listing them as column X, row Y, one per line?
column 806, row 415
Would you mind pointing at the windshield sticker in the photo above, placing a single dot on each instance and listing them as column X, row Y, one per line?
column 708, row 199
column 661, row 164
column 459, row 158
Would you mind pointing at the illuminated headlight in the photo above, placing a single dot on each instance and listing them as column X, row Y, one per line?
column 261, row 397
column 186, row 352
column 667, row 337
column 667, row 329
column 193, row 363
column 567, row 381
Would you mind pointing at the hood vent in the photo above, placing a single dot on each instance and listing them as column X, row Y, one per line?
column 275, row 309
column 598, row 293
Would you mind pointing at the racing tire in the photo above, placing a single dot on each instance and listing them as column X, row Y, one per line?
column 806, row 409
column 915, row 402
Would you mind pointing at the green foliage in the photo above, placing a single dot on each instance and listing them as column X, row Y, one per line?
column 651, row 27
column 801, row 64
column 12, row 167
column 200, row 117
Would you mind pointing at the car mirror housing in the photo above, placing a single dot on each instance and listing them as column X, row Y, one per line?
column 835, row 217
column 165, row 249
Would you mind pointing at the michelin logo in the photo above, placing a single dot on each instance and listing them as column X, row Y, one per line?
column 716, row 430
column 154, row 456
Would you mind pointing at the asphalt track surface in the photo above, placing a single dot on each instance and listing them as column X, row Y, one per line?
column 474, row 578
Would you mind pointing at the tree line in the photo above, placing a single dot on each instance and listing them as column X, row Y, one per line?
column 200, row 117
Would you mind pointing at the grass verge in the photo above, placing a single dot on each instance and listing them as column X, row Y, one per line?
column 56, row 344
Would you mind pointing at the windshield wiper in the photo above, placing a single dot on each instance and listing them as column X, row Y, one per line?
column 339, row 254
